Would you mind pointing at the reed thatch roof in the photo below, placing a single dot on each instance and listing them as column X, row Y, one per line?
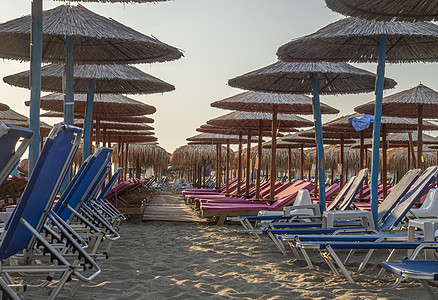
column 97, row 39
column 329, row 137
column 108, row 79
column 264, row 102
column 13, row 118
column 103, row 104
column 397, row 160
column 294, row 77
column 392, row 124
column 299, row 140
column 189, row 156
column 207, row 138
column 387, row 10
column 253, row 119
column 117, row 125
column 287, row 144
column 145, row 155
column 332, row 157
column 125, row 138
column 354, row 40
column 401, row 139
column 230, row 130
column 117, row 132
column 115, row 118
column 406, row 103
column 3, row 107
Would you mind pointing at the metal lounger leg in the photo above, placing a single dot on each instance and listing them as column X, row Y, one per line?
column 277, row 243
column 382, row 270
column 429, row 289
column 365, row 261
column 328, row 260
column 293, row 248
column 350, row 254
column 340, row 264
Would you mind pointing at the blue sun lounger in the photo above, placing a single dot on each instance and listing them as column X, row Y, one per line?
column 23, row 230
column 9, row 137
column 390, row 221
column 421, row 270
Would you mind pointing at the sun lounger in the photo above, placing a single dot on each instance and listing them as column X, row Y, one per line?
column 224, row 210
column 429, row 208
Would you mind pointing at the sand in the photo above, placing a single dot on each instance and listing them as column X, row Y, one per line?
column 181, row 260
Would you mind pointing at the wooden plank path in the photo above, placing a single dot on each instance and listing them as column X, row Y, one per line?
column 169, row 207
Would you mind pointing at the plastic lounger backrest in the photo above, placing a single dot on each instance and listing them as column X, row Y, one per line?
column 408, row 200
column 293, row 192
column 341, row 194
column 9, row 136
column 357, row 183
column 44, row 183
column 84, row 183
column 397, row 193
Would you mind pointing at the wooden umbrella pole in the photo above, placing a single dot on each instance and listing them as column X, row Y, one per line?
column 420, row 137
column 126, row 160
column 104, row 135
column 203, row 180
column 220, row 166
column 217, row 167
column 248, row 163
column 227, row 168
column 384, row 162
column 408, row 162
column 289, row 163
column 273, row 151
column 97, row 132
column 259, row 159
column 302, row 163
column 111, row 167
column 361, row 162
column 411, row 145
column 342, row 162
column 239, row 164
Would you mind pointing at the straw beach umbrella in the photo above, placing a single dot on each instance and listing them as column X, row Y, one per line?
column 13, row 118
column 117, row 125
column 260, row 120
column 90, row 79
column 218, row 139
column 387, row 10
column 315, row 78
column 97, row 40
column 418, row 102
column 104, row 117
column 275, row 103
column 356, row 40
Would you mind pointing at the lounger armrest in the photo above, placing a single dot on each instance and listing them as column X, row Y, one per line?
column 421, row 247
column 110, row 233
column 314, row 207
column 84, row 220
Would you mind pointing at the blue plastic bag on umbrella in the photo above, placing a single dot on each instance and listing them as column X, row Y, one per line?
column 362, row 122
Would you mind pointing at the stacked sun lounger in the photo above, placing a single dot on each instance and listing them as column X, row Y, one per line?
column 44, row 242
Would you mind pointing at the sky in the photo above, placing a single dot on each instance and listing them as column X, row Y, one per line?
column 220, row 39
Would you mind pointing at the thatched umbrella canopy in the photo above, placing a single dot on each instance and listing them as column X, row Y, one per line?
column 105, row 117
column 117, row 125
column 387, row 10
column 104, row 104
column 230, row 130
column 108, row 79
column 218, row 138
column 356, row 40
column 418, row 102
column 98, row 40
column 293, row 77
column 401, row 139
column 4, row 107
column 263, row 102
column 13, row 118
column 305, row 78
column 189, row 156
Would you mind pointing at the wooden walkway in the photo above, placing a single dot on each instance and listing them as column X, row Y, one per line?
column 169, row 207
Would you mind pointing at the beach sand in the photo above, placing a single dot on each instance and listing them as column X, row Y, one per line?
column 181, row 260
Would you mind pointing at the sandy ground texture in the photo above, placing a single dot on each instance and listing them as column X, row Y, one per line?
column 170, row 260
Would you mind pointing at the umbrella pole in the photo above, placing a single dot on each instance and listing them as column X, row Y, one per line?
column 273, row 151
column 36, row 52
column 248, row 162
column 302, row 163
column 126, row 161
column 408, row 162
column 361, row 166
column 259, row 159
column 227, row 168
column 420, row 136
column 342, row 162
column 384, row 163
column 376, row 127
column 217, row 167
column 289, row 163
column 239, row 164
column 319, row 141
column 411, row 145
column 316, row 174
column 220, row 166
column 88, row 122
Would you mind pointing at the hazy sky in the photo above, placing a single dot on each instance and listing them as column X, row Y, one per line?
column 220, row 39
